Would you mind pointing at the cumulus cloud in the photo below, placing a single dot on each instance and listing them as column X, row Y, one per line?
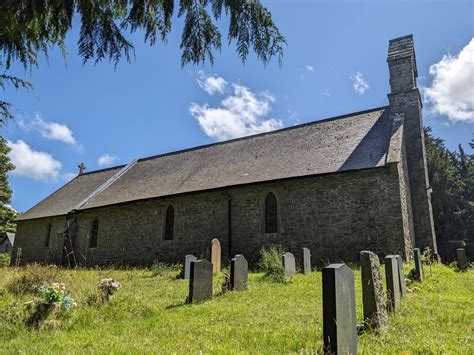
column 211, row 83
column 452, row 90
column 358, row 83
column 309, row 67
column 240, row 114
column 36, row 165
column 49, row 130
column 106, row 160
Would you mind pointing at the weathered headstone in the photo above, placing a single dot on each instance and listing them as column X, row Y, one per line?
column 339, row 311
column 289, row 264
column 401, row 277
column 418, row 264
column 200, row 282
column 375, row 307
column 239, row 271
column 393, row 285
column 461, row 258
column 216, row 255
column 187, row 266
column 306, row 261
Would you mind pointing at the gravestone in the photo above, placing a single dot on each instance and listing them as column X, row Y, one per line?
column 239, row 272
column 200, row 282
column 187, row 266
column 306, row 261
column 401, row 277
column 375, row 307
column 339, row 311
column 216, row 255
column 289, row 264
column 418, row 264
column 461, row 258
column 393, row 285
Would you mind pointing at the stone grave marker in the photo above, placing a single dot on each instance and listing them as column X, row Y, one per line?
column 339, row 310
column 375, row 307
column 418, row 264
column 401, row 277
column 239, row 272
column 200, row 282
column 188, row 259
column 216, row 255
column 289, row 264
column 461, row 258
column 306, row 261
column 393, row 285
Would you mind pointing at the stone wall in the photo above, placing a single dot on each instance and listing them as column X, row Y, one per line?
column 335, row 216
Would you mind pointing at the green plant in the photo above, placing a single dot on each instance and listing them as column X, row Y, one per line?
column 271, row 264
column 158, row 268
column 5, row 259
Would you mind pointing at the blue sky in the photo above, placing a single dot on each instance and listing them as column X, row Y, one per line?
column 335, row 63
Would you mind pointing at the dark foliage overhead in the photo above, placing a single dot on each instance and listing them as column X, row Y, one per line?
column 28, row 27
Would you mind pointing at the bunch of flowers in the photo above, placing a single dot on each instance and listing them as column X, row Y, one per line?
column 55, row 295
column 108, row 287
column 52, row 302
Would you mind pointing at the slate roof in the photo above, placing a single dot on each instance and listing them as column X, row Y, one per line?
column 352, row 142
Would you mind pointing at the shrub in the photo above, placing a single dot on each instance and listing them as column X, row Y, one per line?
column 5, row 259
column 271, row 264
column 31, row 279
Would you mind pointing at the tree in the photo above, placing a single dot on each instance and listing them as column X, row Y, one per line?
column 29, row 27
column 7, row 214
column 452, row 178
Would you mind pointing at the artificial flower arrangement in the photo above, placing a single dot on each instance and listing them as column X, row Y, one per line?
column 108, row 287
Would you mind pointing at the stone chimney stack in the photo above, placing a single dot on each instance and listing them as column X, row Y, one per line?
column 405, row 101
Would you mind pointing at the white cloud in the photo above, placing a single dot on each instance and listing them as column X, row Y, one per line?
column 49, row 130
column 309, row 67
column 33, row 164
column 106, row 160
column 211, row 83
column 452, row 90
column 359, row 84
column 240, row 114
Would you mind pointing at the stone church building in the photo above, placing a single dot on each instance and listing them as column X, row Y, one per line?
column 337, row 186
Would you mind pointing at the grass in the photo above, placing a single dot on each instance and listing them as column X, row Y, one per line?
column 149, row 315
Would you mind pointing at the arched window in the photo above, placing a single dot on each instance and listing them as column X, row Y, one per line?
column 169, row 223
column 271, row 214
column 47, row 236
column 94, row 233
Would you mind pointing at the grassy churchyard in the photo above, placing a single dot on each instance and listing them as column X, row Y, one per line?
column 148, row 314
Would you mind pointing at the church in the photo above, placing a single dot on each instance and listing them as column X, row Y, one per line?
column 336, row 186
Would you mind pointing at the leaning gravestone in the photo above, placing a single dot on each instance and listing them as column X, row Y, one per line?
column 239, row 271
column 306, row 261
column 188, row 259
column 393, row 285
column 339, row 311
column 418, row 264
column 461, row 258
column 216, row 254
column 401, row 277
column 375, row 307
column 200, row 282
column 289, row 264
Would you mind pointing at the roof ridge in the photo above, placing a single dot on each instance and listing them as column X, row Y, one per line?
column 347, row 115
column 106, row 184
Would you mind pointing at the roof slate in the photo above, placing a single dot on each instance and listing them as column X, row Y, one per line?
column 352, row 142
